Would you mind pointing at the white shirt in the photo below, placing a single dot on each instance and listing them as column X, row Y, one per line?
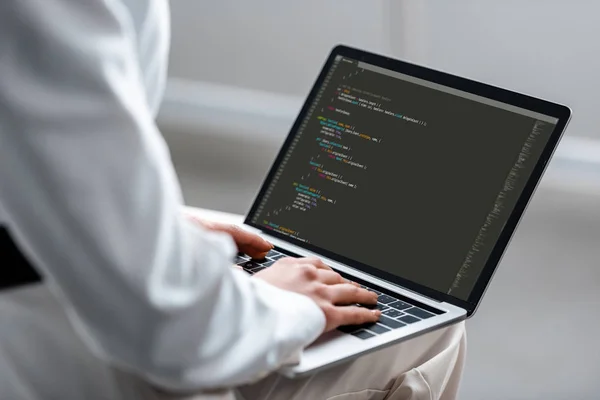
column 88, row 190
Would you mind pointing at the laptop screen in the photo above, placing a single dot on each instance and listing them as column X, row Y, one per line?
column 404, row 175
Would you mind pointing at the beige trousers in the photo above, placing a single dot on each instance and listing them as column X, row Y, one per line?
column 41, row 357
column 425, row 368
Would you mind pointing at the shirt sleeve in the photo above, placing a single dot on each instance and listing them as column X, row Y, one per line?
column 88, row 189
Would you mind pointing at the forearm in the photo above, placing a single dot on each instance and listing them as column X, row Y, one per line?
column 89, row 191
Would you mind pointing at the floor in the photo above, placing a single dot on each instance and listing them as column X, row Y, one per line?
column 535, row 334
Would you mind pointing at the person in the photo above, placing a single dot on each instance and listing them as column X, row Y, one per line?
column 139, row 301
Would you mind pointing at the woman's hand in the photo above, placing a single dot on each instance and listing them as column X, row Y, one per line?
column 334, row 295
column 247, row 242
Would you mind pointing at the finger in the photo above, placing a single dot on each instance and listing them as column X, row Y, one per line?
column 247, row 242
column 317, row 262
column 329, row 277
column 199, row 221
column 253, row 245
column 253, row 252
column 353, row 315
column 288, row 260
column 349, row 294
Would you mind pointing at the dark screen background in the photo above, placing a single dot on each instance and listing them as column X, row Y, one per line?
column 429, row 184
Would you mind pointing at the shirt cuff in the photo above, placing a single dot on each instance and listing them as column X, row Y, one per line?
column 301, row 321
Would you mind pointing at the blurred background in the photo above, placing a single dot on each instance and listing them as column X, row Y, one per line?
column 239, row 74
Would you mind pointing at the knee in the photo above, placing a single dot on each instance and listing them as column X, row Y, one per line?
column 458, row 331
column 443, row 370
column 453, row 339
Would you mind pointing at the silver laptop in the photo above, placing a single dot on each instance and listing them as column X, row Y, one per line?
column 408, row 181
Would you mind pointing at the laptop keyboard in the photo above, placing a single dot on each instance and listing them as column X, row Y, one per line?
column 395, row 313
column 253, row 266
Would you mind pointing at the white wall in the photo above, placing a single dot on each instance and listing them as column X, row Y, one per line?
column 548, row 48
column 270, row 45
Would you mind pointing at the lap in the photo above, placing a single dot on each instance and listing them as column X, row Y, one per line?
column 426, row 367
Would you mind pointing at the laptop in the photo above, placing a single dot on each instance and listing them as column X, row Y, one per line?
column 408, row 181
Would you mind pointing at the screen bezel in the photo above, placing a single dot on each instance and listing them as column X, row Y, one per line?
column 561, row 112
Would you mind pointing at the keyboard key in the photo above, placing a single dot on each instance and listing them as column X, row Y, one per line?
column 390, row 323
column 278, row 256
column 409, row 319
column 417, row 312
column 354, row 328
column 379, row 306
column 261, row 261
column 249, row 265
column 272, row 253
column 268, row 263
column 239, row 259
column 385, row 299
column 363, row 335
column 379, row 329
column 255, row 270
column 392, row 313
column 350, row 328
column 400, row 305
